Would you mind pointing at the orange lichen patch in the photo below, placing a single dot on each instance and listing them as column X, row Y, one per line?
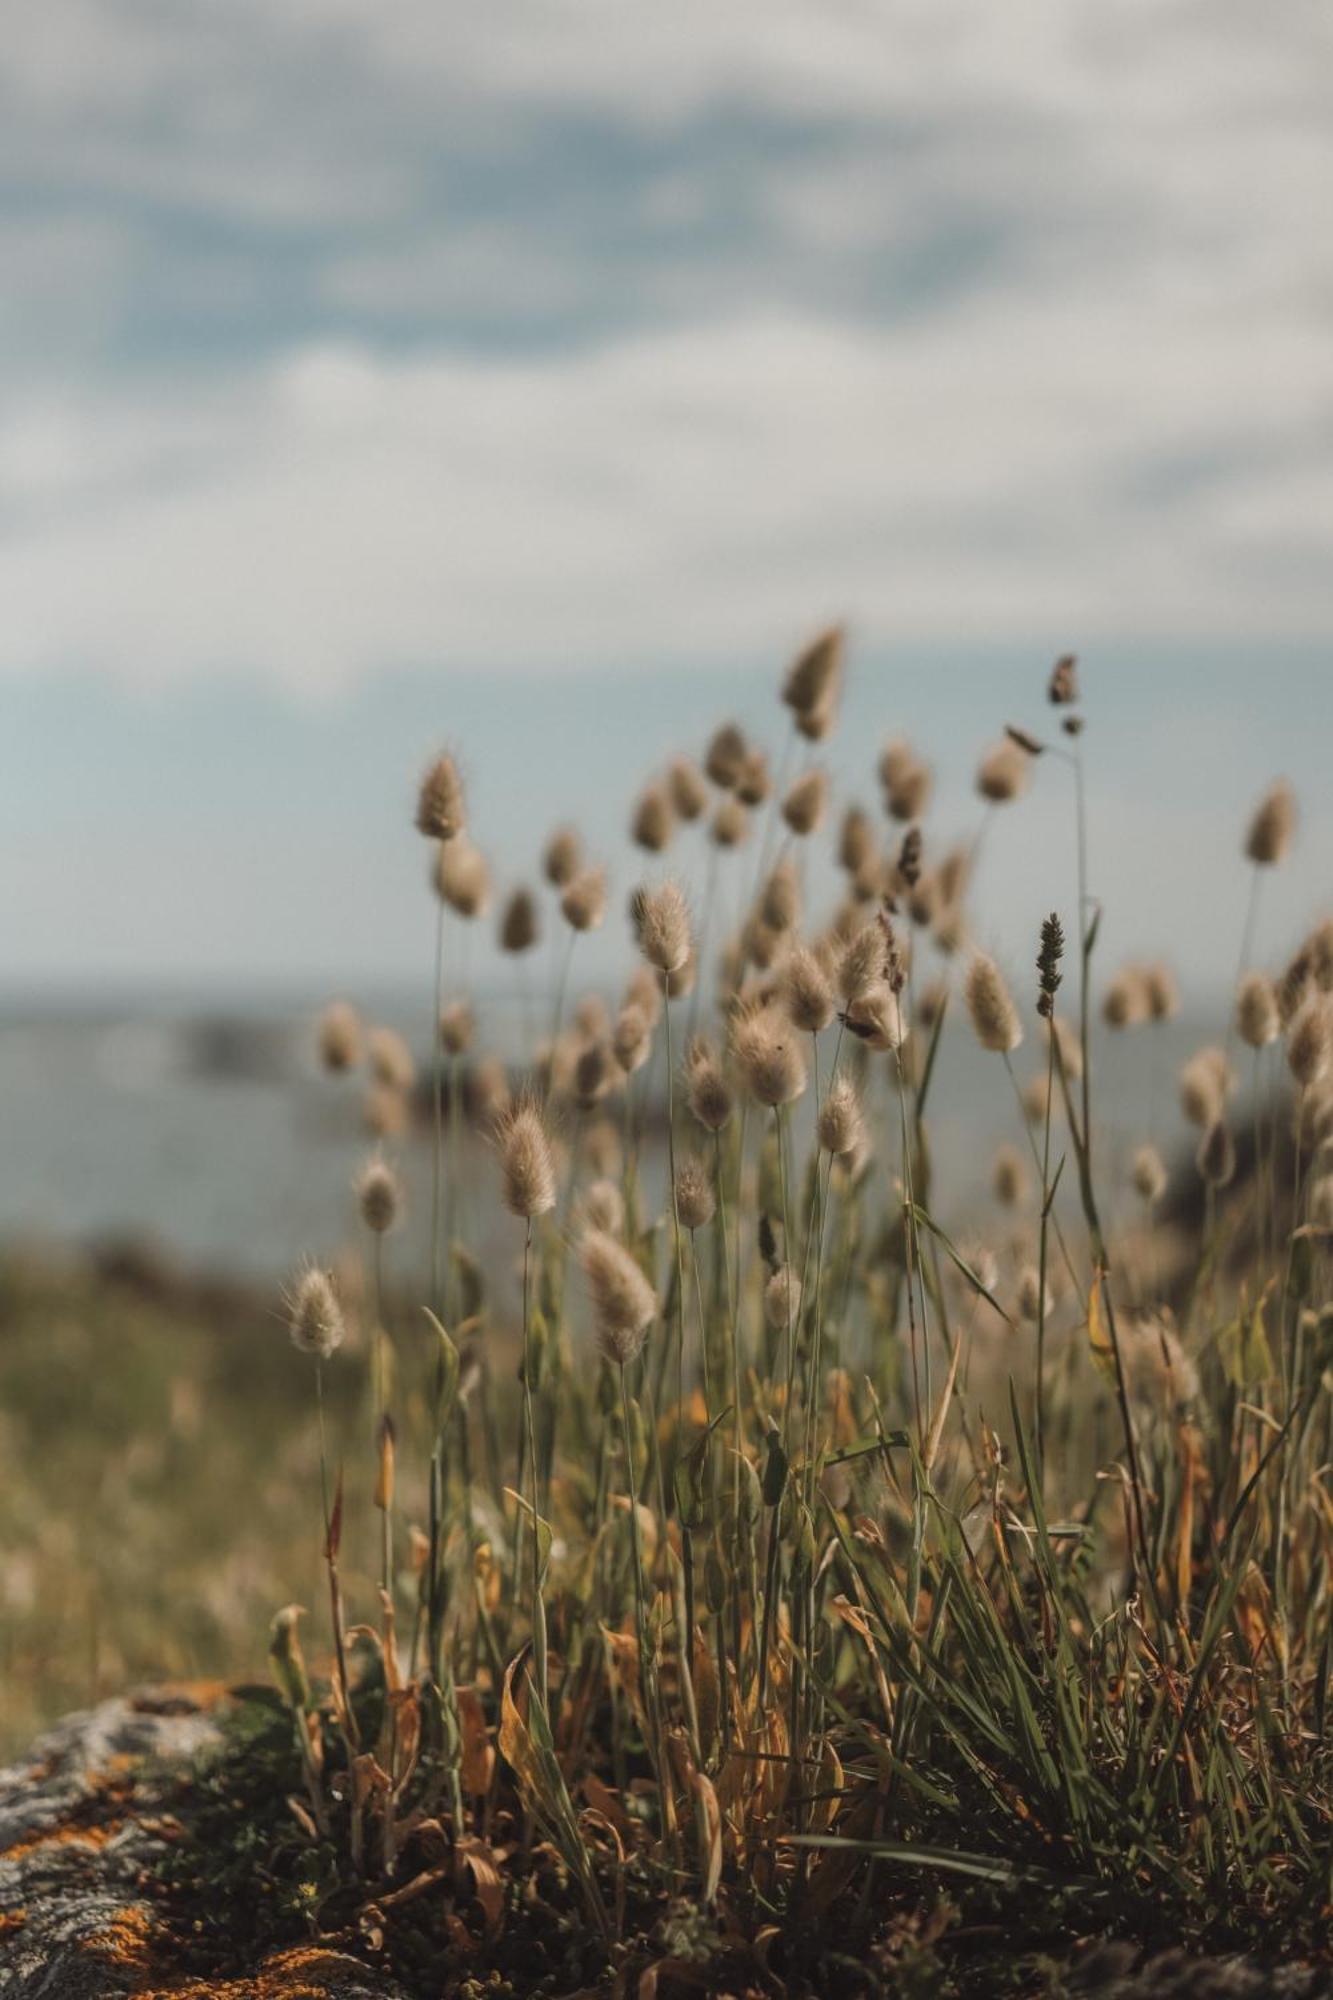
column 64, row 1836
column 180, row 1697
column 287, row 1975
column 114, row 1774
column 126, row 1939
column 93, row 1819
column 11, row 1921
column 302, row 1973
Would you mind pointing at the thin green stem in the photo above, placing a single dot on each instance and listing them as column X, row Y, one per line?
column 538, row 1621
column 437, row 1096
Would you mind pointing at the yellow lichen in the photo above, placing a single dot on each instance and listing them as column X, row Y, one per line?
column 126, row 1939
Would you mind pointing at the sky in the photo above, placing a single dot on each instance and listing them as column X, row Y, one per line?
column 537, row 379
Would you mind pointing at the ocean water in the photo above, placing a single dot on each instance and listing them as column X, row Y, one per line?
column 211, row 1134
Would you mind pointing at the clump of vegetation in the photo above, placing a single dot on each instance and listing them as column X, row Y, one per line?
column 837, row 1594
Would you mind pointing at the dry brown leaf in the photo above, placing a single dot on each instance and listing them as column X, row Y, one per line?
column 603, row 1800
column 478, row 1857
column 708, row 1814
column 478, row 1752
column 516, row 1744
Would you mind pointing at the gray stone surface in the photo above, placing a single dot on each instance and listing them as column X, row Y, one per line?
column 77, row 1831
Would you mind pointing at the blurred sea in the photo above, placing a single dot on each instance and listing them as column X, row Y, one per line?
column 210, row 1133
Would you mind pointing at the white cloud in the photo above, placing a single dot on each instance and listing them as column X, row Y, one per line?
column 681, row 493
column 963, row 323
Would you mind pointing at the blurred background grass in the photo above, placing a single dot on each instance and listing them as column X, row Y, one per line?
column 158, row 1479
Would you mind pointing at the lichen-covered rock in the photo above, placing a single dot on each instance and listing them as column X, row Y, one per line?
column 1119, row 1971
column 83, row 1819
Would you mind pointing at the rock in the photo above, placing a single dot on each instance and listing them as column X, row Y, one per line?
column 1120, row 1971
column 81, row 1824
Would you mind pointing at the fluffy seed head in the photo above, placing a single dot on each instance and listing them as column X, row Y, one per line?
column 1159, row 984
column 1036, row 1097
column 780, row 899
column 1295, row 986
column 1149, row 1174
column 652, row 819
column 314, row 1317
column 624, row 1304
column 1273, row 826
column 753, row 783
column 764, row 943
column 631, row 1039
column 877, row 1017
column 841, row 1124
column 527, row 1163
column 562, row 857
column 725, row 755
column 386, row 1112
column 391, row 1063
column 814, row 677
column 709, row 1095
column 1159, row 1375
column 1319, row 949
column 896, row 757
column 462, row 878
column 662, row 926
column 591, row 1017
column 769, row 1057
column 1125, row 1003
column 817, row 723
column 861, row 963
column 519, row 922
column 689, row 794
column 994, row 1016
column 1309, row 1044
column 694, row 1194
column 456, row 1028
column 906, row 780
column 782, row 1298
column 909, row 859
column 909, row 795
column 1216, row 1157
column 1003, row 772
column 924, row 902
column 596, row 1071
column 730, row 823
column 953, row 872
column 1008, row 1177
column 1258, row 1021
column 643, row 989
column 803, row 807
column 807, row 992
column 856, row 841
column 603, row 1207
column 339, row 1037
column 1063, row 685
column 1204, row 1082
column 379, row 1196
column 1030, row 1294
column 583, row 904
column 441, row 809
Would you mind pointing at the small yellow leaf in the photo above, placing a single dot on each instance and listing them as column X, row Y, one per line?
column 1099, row 1333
